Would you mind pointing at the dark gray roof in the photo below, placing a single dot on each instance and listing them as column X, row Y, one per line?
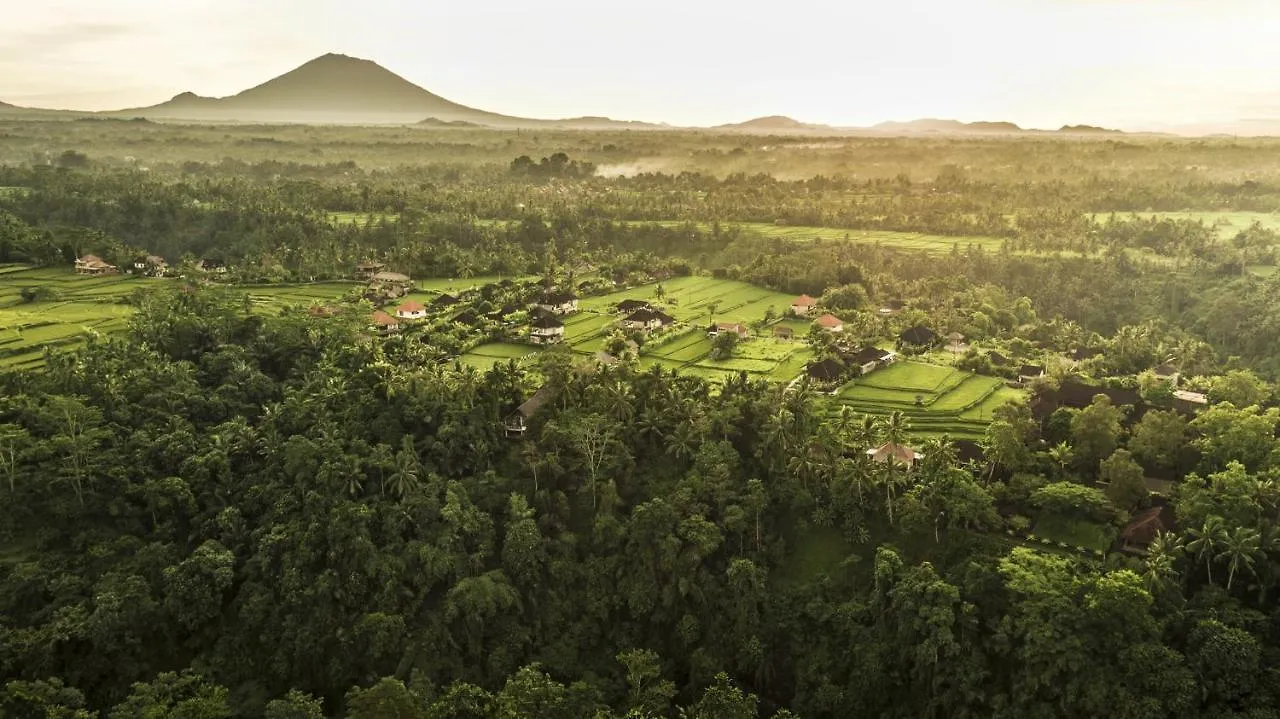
column 546, row 322
column 868, row 354
column 826, row 370
column 534, row 403
column 633, row 305
column 557, row 298
column 648, row 315
column 919, row 335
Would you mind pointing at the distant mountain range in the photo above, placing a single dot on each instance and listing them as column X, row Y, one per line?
column 339, row 89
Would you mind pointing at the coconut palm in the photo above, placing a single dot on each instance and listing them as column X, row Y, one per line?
column 1238, row 548
column 1162, row 558
column 1205, row 541
column 1061, row 455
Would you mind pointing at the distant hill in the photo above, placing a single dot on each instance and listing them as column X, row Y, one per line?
column 1088, row 130
column 931, row 125
column 330, row 88
column 773, row 123
column 437, row 122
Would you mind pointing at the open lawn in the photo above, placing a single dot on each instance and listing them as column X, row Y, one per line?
column 1075, row 532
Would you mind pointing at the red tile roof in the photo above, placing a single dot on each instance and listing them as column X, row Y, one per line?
column 382, row 319
column 830, row 321
column 803, row 301
column 411, row 306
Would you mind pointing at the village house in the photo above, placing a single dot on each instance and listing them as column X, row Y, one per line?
column 892, row 307
column 217, row 267
column 385, row 323
column 443, row 300
column 1080, row 354
column 411, row 310
column 386, row 286
column 997, row 359
column 546, row 330
column 1189, row 402
column 1168, row 373
column 648, row 320
column 150, row 265
column 827, row 372
column 94, row 265
column 741, row 330
column 561, row 303
column 783, row 332
column 1028, row 372
column 367, row 269
column 629, row 306
column 466, row 317
column 517, row 423
column 1145, row 526
column 830, row 323
column 919, row 336
column 896, row 453
column 955, row 343
column 868, row 359
column 802, row 305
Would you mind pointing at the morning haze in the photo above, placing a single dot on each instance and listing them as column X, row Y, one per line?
column 586, row 359
column 1130, row 64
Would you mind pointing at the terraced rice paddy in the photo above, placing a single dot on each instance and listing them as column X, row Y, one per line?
column 687, row 348
column 487, row 355
column 935, row 400
column 81, row 307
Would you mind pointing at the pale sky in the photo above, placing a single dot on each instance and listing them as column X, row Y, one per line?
column 1041, row 63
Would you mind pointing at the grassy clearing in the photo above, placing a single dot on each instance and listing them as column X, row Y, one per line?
column 1075, row 532
column 362, row 219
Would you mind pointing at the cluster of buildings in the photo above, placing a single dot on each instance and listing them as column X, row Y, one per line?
column 146, row 265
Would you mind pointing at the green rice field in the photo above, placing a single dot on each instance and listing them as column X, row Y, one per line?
column 935, row 400
column 486, row 356
column 1228, row 224
column 84, row 306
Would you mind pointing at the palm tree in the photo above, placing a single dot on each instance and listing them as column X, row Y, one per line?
column 682, row 443
column 1239, row 547
column 1162, row 558
column 1205, row 541
column 405, row 477
column 1061, row 455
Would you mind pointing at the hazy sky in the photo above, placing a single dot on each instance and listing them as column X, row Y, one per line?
column 1040, row 63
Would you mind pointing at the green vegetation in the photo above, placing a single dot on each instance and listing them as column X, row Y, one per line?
column 1075, row 532
column 937, row 400
column 237, row 509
